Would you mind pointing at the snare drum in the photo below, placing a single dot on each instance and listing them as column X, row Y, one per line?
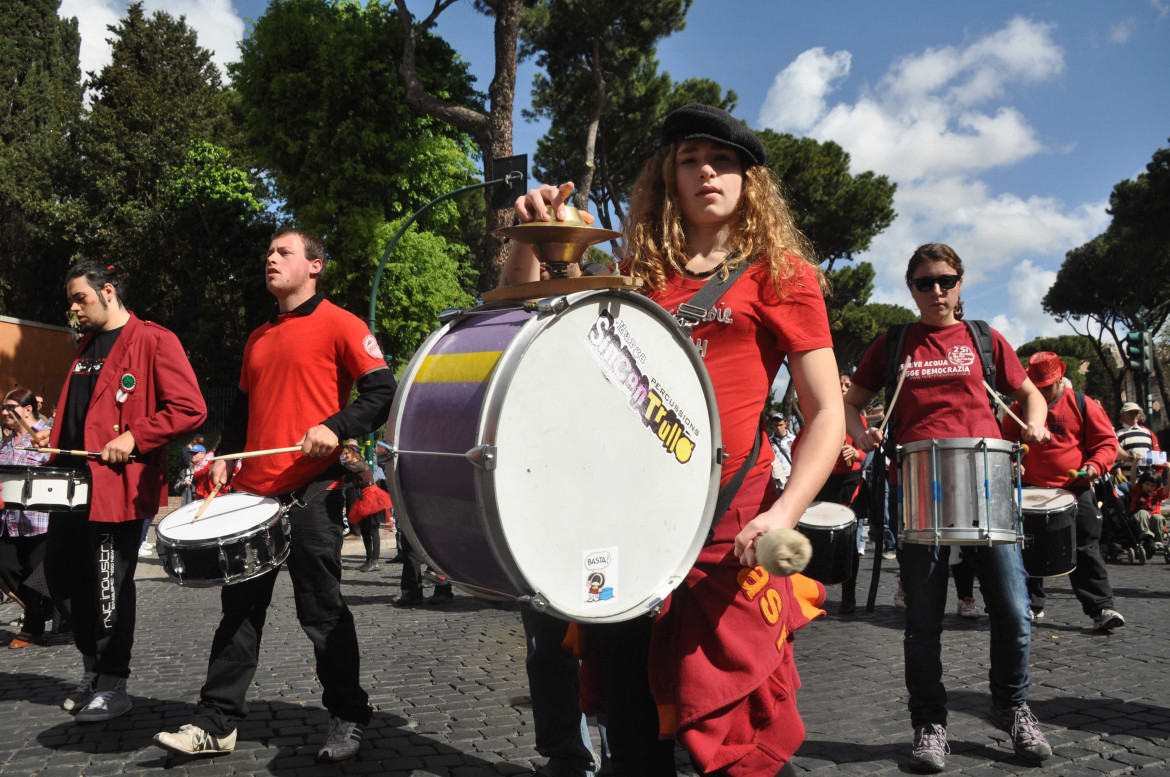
column 832, row 530
column 960, row 491
column 1050, row 532
column 44, row 489
column 563, row 453
column 241, row 536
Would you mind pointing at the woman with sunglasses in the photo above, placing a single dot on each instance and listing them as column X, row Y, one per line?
column 943, row 397
column 22, row 547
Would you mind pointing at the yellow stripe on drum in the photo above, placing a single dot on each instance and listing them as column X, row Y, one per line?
column 474, row 367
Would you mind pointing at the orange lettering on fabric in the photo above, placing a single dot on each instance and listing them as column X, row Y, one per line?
column 752, row 581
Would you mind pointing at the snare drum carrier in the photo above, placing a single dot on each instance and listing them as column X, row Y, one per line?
column 956, row 491
column 564, row 452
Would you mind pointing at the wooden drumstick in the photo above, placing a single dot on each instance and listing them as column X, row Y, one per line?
column 207, row 502
column 897, row 391
column 65, row 452
column 251, row 454
column 27, row 428
column 995, row 395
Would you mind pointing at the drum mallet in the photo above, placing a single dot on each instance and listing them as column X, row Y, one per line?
column 207, row 502
column 252, row 454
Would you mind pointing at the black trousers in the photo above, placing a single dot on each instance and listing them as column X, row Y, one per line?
column 314, row 564
column 371, row 529
column 19, row 558
column 1090, row 580
column 90, row 570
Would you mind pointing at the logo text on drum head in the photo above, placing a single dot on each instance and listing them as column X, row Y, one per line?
column 621, row 369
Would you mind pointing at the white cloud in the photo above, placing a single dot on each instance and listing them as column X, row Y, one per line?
column 1161, row 7
column 934, row 123
column 216, row 22
column 1121, row 32
column 796, row 98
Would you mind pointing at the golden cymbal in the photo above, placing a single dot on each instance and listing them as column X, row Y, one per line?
column 559, row 242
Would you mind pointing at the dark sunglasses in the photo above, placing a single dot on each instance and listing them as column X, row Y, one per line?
column 945, row 282
column 10, row 408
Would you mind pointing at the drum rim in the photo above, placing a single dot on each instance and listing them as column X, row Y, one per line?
column 163, row 539
column 994, row 444
column 487, row 427
column 47, row 473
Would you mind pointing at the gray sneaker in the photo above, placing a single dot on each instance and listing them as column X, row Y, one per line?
column 192, row 740
column 81, row 693
column 1108, row 619
column 1027, row 739
column 106, row 705
column 342, row 742
column 930, row 748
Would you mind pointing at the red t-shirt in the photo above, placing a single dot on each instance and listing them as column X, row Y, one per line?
column 743, row 342
column 298, row 371
column 1151, row 502
column 1075, row 441
column 943, row 395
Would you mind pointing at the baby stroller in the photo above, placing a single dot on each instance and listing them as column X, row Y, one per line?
column 1118, row 539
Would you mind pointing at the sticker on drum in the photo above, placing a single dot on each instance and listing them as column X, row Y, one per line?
column 601, row 575
column 530, row 436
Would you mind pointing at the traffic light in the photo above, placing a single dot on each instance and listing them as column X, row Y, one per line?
column 1139, row 351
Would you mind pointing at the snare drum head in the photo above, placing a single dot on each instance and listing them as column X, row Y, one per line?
column 827, row 515
column 1047, row 500
column 606, row 433
column 226, row 515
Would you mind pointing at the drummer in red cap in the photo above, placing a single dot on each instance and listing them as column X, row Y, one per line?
column 1082, row 448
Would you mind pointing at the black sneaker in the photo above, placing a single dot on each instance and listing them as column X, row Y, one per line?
column 407, row 600
column 1027, row 739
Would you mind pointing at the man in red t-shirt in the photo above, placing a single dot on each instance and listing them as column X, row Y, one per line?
column 1079, row 444
column 299, row 369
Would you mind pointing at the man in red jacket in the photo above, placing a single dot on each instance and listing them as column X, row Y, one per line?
column 1082, row 443
column 130, row 391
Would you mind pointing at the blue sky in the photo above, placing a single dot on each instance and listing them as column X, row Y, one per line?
column 1005, row 125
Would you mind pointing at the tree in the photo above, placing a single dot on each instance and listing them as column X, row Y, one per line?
column 40, row 102
column 491, row 130
column 839, row 212
column 326, row 116
column 1120, row 280
column 854, row 321
column 166, row 197
column 585, row 48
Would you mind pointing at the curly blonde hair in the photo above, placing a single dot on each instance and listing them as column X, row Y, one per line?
column 764, row 230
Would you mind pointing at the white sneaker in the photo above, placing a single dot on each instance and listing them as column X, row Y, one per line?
column 967, row 608
column 145, row 550
column 342, row 741
column 106, row 705
column 81, row 693
column 192, row 740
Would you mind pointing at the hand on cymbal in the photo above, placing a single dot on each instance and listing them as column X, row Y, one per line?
column 535, row 205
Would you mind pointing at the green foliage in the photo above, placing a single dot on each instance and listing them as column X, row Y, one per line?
column 839, row 212
column 1120, row 280
column 853, row 320
column 422, row 278
column 40, row 101
column 167, row 195
column 326, row 115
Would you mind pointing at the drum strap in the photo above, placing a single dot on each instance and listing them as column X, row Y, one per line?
column 693, row 311
column 728, row 492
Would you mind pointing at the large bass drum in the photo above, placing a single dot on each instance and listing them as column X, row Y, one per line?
column 561, row 452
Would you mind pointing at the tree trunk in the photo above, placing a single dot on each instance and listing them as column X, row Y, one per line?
column 492, row 132
column 586, row 185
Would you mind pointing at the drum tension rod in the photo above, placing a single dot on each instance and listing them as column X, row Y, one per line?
column 482, row 456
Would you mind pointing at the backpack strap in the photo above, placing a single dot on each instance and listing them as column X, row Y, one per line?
column 980, row 333
column 692, row 312
column 895, row 343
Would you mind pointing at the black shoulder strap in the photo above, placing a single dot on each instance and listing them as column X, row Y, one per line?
column 980, row 333
column 1079, row 398
column 694, row 310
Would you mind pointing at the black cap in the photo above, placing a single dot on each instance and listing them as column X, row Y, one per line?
column 695, row 120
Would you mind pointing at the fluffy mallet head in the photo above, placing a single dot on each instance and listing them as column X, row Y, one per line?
column 783, row 552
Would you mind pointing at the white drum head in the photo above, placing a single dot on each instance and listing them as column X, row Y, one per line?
column 226, row 515
column 827, row 515
column 1047, row 500
column 600, row 513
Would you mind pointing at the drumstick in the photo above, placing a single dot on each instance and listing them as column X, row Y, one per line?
column 64, row 452
column 995, row 395
column 897, row 391
column 24, row 423
column 250, row 454
column 207, row 502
